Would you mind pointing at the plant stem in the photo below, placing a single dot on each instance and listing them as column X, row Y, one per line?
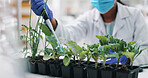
column 30, row 26
column 88, row 61
column 96, row 65
column 118, row 62
column 104, row 62
column 26, row 42
column 79, row 64
column 131, row 65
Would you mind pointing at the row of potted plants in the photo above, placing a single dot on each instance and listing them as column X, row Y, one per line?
column 73, row 64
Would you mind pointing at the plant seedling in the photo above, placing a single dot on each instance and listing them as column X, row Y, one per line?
column 32, row 37
column 88, row 51
column 93, row 52
column 77, row 50
column 119, row 47
column 104, row 48
column 67, row 56
column 53, row 52
column 134, row 51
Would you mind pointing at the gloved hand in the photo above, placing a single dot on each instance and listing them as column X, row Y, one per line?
column 114, row 59
column 38, row 5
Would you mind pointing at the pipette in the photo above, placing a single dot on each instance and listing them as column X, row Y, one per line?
column 45, row 16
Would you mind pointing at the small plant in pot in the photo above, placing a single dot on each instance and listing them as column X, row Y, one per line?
column 118, row 46
column 88, row 51
column 92, row 70
column 78, row 69
column 67, row 67
column 104, row 48
column 133, row 52
column 104, row 53
column 32, row 38
column 43, row 67
column 52, row 55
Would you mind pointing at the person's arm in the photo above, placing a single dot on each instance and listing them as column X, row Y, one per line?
column 76, row 30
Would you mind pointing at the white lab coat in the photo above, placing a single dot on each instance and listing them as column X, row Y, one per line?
column 130, row 25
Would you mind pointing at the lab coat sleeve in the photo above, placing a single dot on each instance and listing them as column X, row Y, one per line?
column 141, row 34
column 75, row 31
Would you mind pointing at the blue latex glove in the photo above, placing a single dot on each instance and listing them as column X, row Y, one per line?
column 114, row 59
column 38, row 5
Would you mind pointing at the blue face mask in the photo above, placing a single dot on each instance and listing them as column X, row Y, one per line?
column 103, row 5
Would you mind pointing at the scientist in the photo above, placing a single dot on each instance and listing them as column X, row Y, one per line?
column 108, row 17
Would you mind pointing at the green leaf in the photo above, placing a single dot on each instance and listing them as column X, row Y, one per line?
column 52, row 41
column 123, row 45
column 101, row 48
column 25, row 26
column 107, row 48
column 143, row 49
column 83, row 55
column 95, row 56
column 46, row 57
column 113, row 55
column 69, row 53
column 35, row 31
column 48, row 51
column 132, row 43
column 113, row 40
column 74, row 47
column 31, row 33
column 103, row 40
column 115, row 47
column 66, row 61
column 140, row 52
column 129, row 55
column 104, row 49
column 41, row 36
column 45, row 29
column 58, row 51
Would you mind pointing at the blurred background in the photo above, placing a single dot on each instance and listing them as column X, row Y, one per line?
column 14, row 13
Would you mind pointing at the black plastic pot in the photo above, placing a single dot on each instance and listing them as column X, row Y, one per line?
column 93, row 73
column 33, row 67
column 48, row 68
column 128, row 74
column 106, row 73
column 67, row 72
column 79, row 72
column 55, row 69
column 42, row 68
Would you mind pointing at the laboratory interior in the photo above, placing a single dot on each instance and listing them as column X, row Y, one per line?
column 73, row 38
